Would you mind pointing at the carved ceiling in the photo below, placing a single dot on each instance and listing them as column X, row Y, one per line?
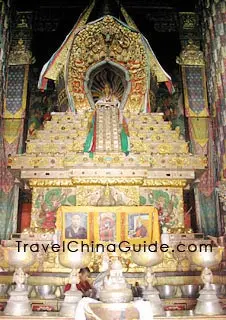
column 49, row 13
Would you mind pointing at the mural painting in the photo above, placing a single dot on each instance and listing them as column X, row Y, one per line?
column 46, row 201
column 168, row 202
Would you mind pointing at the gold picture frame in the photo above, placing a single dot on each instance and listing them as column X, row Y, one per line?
column 109, row 224
column 140, row 224
column 74, row 224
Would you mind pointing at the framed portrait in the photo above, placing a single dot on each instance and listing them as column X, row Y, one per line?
column 107, row 225
column 74, row 223
column 140, row 224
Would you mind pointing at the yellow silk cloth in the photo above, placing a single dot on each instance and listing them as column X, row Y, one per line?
column 12, row 128
column 199, row 130
column 156, row 236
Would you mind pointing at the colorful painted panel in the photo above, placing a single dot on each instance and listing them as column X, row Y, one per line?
column 46, row 201
column 140, row 224
column 169, row 203
column 107, row 226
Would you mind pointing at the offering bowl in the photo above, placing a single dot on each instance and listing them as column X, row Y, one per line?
column 167, row 291
column 190, row 290
column 46, row 291
column 3, row 289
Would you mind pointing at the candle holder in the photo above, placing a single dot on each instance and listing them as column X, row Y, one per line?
column 149, row 259
column 74, row 261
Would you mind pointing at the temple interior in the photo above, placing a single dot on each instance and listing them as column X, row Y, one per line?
column 113, row 164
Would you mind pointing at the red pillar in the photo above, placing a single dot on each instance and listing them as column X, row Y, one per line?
column 25, row 216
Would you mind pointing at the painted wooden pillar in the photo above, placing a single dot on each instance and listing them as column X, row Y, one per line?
column 214, row 44
column 14, row 114
column 200, row 126
column 25, row 216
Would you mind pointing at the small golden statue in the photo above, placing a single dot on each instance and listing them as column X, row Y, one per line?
column 108, row 98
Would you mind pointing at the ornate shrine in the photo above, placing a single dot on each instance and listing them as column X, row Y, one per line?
column 108, row 149
column 108, row 169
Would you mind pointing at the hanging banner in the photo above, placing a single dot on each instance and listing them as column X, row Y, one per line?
column 195, row 94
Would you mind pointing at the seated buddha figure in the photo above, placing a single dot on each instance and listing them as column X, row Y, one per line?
column 108, row 98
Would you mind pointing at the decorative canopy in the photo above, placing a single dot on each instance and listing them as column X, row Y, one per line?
column 109, row 41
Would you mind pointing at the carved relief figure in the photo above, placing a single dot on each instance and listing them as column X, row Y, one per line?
column 105, row 196
column 121, row 198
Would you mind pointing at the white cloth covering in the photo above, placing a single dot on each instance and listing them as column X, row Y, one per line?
column 144, row 308
column 82, row 306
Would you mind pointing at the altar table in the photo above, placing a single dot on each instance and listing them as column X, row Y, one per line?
column 170, row 315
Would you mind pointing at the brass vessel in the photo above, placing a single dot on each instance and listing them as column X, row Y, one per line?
column 18, row 259
column 207, row 257
column 147, row 259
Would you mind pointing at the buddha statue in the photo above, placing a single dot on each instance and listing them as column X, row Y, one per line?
column 106, row 198
column 108, row 98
